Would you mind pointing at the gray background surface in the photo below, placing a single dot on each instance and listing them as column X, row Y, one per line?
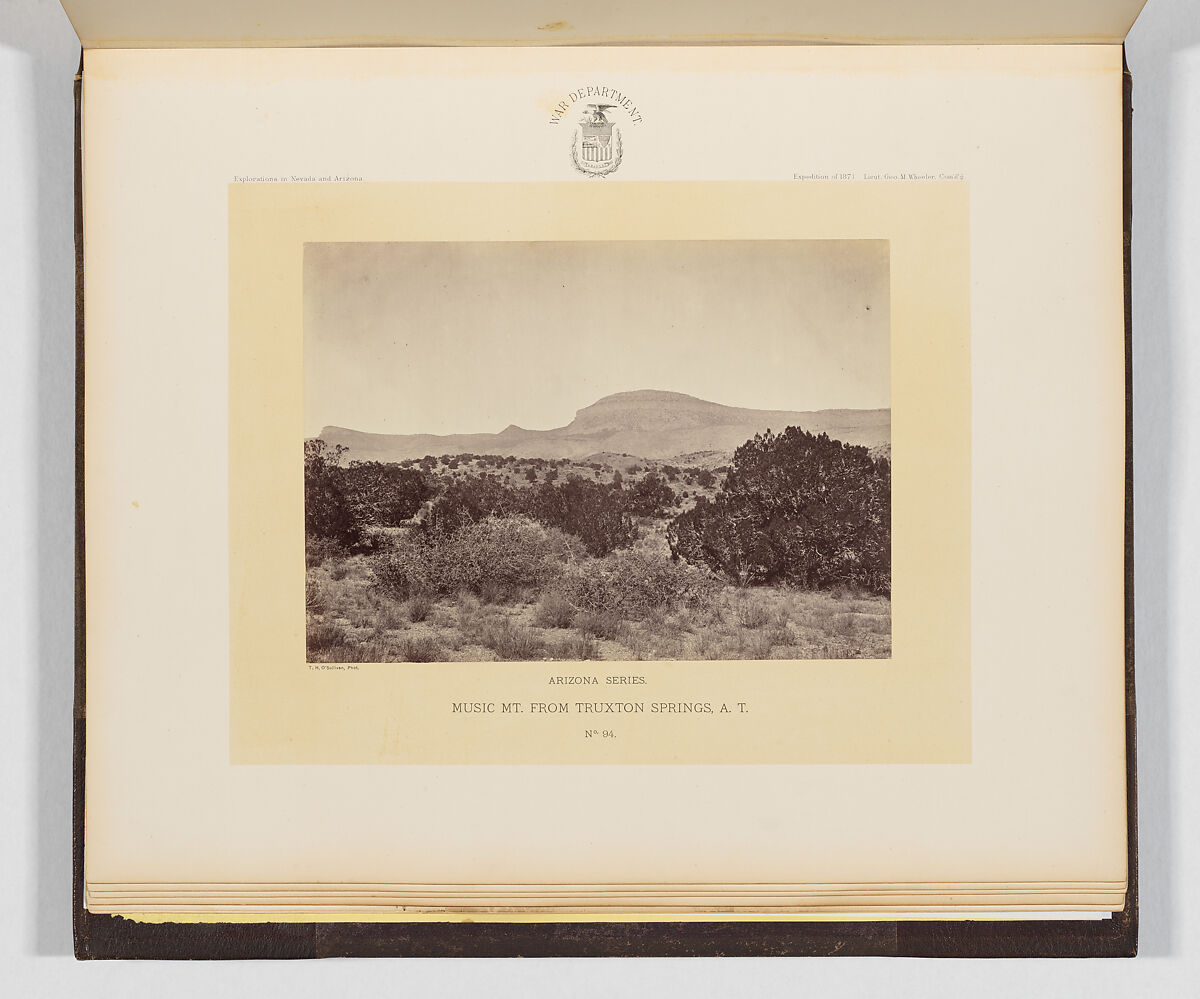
column 38, row 57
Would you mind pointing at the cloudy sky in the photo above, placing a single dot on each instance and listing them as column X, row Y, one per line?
column 470, row 337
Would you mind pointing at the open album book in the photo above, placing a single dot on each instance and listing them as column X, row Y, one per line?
column 639, row 485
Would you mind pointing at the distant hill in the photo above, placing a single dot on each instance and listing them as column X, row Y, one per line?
column 645, row 424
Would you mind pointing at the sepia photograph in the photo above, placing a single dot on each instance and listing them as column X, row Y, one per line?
column 608, row 450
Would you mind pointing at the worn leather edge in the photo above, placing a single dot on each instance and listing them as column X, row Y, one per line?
column 80, row 916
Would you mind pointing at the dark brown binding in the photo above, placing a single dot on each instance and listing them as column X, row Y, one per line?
column 1131, row 800
column 80, row 916
column 106, row 937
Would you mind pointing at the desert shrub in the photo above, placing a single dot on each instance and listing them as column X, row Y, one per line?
column 340, row 503
column 649, row 644
column 554, row 611
column 406, row 566
column 675, row 625
column 599, row 624
column 419, row 607
column 509, row 552
column 650, row 497
column 318, row 550
column 708, row 645
column 667, row 647
column 795, row 508
column 820, row 617
column 495, row 591
column 849, row 593
column 420, row 650
column 472, row 621
column 844, row 624
column 594, row 512
column 513, row 642
column 753, row 615
column 757, row 645
column 314, row 596
column 875, row 624
column 386, row 612
column 631, row 583
column 383, row 494
column 363, row 651
column 472, row 499
column 454, row 640
column 361, row 617
column 575, row 648
column 443, row 617
column 638, row 643
column 324, row 638
column 327, row 511
column 779, row 634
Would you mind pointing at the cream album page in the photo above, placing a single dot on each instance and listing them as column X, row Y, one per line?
column 606, row 467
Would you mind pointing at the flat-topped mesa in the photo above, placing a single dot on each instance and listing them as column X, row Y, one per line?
column 648, row 408
column 648, row 423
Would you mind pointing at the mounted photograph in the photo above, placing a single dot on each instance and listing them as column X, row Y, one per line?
column 597, row 450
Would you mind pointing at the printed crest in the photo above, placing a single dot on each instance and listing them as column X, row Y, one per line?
column 596, row 142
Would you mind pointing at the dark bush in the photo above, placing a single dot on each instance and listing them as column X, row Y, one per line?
column 341, row 503
column 795, row 508
column 318, row 550
column 650, row 497
column 384, row 495
column 593, row 512
column 328, row 513
column 473, row 499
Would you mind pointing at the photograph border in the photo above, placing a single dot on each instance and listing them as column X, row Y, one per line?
column 678, row 359
column 912, row 708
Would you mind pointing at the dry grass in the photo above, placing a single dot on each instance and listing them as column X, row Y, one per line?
column 599, row 624
column 352, row 619
column 575, row 648
column 420, row 605
column 420, row 650
column 754, row 614
column 514, row 642
column 554, row 611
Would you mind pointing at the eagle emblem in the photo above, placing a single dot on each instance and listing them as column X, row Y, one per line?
column 596, row 142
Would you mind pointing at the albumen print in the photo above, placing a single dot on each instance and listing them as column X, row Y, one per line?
column 609, row 450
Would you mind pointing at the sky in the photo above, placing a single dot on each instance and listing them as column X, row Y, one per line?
column 471, row 337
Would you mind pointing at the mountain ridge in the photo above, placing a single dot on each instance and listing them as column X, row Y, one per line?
column 648, row 423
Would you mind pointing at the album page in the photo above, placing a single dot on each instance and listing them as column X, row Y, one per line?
column 608, row 466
